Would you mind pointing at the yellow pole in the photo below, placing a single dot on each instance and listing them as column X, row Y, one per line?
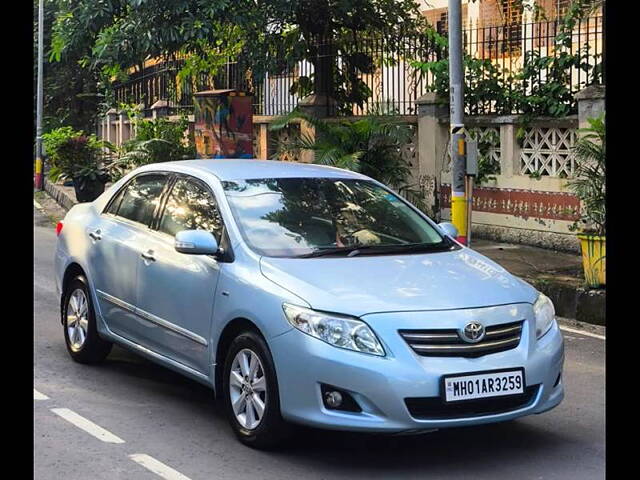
column 39, row 173
column 459, row 199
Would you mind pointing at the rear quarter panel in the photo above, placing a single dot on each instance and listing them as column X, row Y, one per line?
column 73, row 244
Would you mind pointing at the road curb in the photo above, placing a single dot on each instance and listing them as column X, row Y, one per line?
column 59, row 195
column 585, row 305
column 582, row 326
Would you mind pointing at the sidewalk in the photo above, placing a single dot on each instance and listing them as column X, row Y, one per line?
column 556, row 274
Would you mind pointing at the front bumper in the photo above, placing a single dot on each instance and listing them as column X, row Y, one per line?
column 380, row 385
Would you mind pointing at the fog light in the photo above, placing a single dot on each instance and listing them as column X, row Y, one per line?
column 558, row 380
column 333, row 399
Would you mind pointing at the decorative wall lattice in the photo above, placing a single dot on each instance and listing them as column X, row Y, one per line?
column 548, row 151
column 491, row 136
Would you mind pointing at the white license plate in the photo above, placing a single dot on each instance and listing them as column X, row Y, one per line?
column 483, row 385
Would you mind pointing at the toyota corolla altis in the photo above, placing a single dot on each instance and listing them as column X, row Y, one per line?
column 304, row 294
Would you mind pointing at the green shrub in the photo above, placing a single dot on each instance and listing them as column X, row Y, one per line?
column 72, row 153
column 156, row 141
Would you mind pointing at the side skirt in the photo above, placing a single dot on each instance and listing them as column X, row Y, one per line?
column 156, row 357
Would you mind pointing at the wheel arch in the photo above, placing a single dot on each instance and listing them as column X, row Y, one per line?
column 229, row 332
column 71, row 271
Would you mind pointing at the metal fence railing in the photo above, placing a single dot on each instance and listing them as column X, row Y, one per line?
column 387, row 82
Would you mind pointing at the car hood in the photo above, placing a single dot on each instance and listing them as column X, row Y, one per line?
column 390, row 283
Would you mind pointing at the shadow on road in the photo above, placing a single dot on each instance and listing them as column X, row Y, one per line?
column 486, row 447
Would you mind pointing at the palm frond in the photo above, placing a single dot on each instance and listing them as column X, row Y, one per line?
column 590, row 176
column 370, row 145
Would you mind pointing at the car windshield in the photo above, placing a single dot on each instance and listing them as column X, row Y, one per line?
column 293, row 217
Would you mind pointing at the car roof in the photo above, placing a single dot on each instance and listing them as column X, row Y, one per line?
column 246, row 169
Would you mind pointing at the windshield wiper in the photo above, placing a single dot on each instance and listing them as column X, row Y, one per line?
column 354, row 250
column 404, row 248
column 321, row 252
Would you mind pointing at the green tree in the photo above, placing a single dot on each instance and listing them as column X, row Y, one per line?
column 110, row 36
column 71, row 94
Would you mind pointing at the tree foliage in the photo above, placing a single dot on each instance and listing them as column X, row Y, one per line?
column 71, row 94
column 111, row 36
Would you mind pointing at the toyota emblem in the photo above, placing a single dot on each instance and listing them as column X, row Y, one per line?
column 472, row 332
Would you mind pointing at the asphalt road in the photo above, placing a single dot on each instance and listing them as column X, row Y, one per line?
column 174, row 421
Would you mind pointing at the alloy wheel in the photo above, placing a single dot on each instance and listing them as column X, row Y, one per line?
column 248, row 389
column 77, row 319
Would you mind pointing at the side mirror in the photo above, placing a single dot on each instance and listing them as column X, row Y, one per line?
column 448, row 229
column 196, row 242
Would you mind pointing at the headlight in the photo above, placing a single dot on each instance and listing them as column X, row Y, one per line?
column 545, row 314
column 337, row 330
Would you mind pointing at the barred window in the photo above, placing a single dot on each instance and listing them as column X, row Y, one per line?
column 438, row 18
column 555, row 9
column 501, row 25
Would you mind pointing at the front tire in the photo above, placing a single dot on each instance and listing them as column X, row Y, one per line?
column 250, row 390
column 79, row 323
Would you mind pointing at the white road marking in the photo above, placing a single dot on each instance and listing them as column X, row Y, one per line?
column 157, row 467
column 582, row 332
column 39, row 396
column 87, row 425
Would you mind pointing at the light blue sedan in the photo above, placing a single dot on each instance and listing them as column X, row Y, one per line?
column 304, row 294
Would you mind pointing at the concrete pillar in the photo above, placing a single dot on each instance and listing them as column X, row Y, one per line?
column 125, row 128
column 263, row 142
column 590, row 104
column 432, row 143
column 111, row 132
column 160, row 109
column 120, row 128
column 509, row 149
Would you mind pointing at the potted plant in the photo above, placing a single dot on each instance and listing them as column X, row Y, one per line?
column 76, row 156
column 589, row 187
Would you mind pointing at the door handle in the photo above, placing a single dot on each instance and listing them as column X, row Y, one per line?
column 95, row 235
column 148, row 255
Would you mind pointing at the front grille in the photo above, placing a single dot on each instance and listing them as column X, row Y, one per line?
column 447, row 342
column 426, row 408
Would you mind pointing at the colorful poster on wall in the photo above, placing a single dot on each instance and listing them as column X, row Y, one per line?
column 223, row 124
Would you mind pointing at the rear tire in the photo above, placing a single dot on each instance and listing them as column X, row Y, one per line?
column 79, row 324
column 251, row 396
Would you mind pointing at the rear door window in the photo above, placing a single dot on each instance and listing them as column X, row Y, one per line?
column 112, row 208
column 141, row 198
